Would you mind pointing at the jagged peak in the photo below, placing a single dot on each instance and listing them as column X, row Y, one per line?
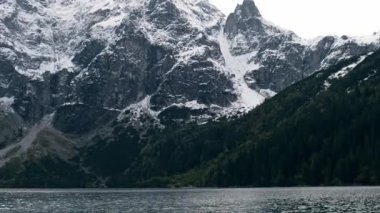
column 248, row 9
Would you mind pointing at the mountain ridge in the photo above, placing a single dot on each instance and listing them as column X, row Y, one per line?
column 105, row 75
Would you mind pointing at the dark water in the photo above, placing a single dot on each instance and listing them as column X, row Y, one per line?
column 350, row 199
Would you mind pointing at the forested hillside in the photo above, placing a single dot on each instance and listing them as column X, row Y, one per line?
column 321, row 131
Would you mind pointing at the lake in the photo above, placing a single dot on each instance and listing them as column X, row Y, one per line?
column 324, row 199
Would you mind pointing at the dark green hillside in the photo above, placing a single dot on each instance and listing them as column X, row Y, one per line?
column 306, row 135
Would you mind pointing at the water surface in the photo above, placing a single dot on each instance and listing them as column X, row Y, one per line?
column 344, row 199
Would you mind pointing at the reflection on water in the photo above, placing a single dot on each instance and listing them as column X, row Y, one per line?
column 347, row 199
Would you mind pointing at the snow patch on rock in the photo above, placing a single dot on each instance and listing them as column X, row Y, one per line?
column 237, row 67
column 6, row 104
column 344, row 71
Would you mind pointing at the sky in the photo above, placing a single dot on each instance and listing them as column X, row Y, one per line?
column 312, row 18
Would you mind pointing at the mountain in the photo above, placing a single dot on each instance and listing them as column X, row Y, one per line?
column 89, row 85
column 278, row 58
column 320, row 131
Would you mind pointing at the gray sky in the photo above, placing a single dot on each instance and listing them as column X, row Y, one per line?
column 311, row 18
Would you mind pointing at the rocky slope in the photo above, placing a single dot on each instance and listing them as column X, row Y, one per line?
column 319, row 131
column 278, row 58
column 109, row 73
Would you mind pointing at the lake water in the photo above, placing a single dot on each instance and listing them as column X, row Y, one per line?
column 345, row 199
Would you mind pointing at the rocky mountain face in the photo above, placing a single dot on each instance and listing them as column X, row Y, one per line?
column 89, row 76
column 278, row 58
column 319, row 131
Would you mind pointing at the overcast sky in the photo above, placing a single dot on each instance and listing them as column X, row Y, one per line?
column 311, row 18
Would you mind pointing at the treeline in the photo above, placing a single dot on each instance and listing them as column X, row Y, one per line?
column 306, row 135
column 309, row 136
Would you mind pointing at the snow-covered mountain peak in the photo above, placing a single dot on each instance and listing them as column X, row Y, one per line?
column 92, row 66
column 46, row 35
column 274, row 57
column 115, row 53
